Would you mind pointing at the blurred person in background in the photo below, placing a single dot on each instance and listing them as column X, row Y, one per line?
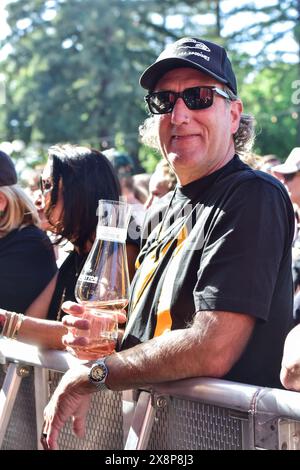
column 267, row 162
column 289, row 174
column 27, row 261
column 124, row 167
column 141, row 186
column 30, row 181
column 30, row 178
column 161, row 182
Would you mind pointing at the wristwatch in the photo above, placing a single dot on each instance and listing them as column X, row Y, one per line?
column 98, row 374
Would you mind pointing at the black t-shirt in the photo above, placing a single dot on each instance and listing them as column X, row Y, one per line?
column 27, row 265
column 224, row 244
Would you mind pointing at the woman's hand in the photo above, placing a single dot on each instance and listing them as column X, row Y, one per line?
column 76, row 310
column 74, row 341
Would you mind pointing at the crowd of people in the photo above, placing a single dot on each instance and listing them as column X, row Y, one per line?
column 212, row 286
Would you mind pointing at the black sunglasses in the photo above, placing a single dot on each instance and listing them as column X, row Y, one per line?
column 198, row 97
column 45, row 185
column 289, row 176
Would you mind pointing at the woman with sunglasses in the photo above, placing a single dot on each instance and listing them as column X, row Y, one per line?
column 27, row 262
column 73, row 181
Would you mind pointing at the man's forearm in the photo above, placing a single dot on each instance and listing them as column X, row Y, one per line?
column 209, row 348
column 146, row 363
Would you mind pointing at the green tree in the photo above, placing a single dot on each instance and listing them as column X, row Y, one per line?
column 73, row 71
column 268, row 97
column 267, row 25
column 68, row 77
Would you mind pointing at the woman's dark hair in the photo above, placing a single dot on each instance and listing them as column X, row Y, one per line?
column 86, row 176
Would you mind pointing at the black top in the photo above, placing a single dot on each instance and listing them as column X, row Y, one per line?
column 27, row 264
column 224, row 245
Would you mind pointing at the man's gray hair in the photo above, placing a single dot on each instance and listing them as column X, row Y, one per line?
column 243, row 138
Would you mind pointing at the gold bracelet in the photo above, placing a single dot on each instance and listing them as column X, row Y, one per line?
column 3, row 321
column 18, row 324
column 8, row 317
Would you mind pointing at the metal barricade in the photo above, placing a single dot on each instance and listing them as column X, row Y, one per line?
column 183, row 415
column 19, row 419
column 198, row 414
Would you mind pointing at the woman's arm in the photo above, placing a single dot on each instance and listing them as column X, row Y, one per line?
column 43, row 333
column 48, row 334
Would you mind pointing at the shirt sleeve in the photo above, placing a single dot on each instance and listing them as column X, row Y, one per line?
column 246, row 243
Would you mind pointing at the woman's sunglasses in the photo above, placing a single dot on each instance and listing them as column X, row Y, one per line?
column 198, row 97
column 45, row 185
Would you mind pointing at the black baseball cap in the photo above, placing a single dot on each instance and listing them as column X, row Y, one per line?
column 206, row 56
column 8, row 175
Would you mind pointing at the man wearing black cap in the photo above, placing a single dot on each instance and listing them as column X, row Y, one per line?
column 212, row 295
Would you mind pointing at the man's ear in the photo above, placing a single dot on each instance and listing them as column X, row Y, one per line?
column 3, row 201
column 236, row 111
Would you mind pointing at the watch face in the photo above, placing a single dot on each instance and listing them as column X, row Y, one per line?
column 98, row 372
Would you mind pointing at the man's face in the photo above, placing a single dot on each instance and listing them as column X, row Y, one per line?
column 196, row 143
